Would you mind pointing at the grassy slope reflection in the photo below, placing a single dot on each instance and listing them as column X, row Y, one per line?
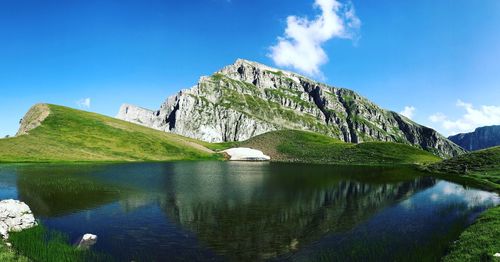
column 245, row 223
column 53, row 190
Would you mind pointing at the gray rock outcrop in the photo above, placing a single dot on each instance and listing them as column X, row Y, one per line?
column 247, row 99
column 481, row 138
column 33, row 118
column 15, row 216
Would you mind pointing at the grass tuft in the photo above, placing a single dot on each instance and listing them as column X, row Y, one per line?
column 41, row 244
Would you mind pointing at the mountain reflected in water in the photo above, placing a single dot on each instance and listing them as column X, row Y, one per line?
column 254, row 215
column 245, row 211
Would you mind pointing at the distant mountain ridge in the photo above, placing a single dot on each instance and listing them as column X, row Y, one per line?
column 246, row 99
column 481, row 138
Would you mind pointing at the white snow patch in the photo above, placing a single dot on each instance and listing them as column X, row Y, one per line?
column 246, row 154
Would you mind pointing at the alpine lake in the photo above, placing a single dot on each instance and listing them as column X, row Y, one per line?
column 248, row 211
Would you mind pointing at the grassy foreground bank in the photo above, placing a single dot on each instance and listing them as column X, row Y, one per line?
column 7, row 254
column 41, row 244
column 481, row 240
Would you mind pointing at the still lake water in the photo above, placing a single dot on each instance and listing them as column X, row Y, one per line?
column 237, row 211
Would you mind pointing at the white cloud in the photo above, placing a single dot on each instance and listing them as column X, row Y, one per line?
column 473, row 118
column 437, row 117
column 408, row 111
column 301, row 46
column 84, row 103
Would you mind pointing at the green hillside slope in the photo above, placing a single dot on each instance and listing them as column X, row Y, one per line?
column 483, row 166
column 308, row 147
column 51, row 133
column 73, row 135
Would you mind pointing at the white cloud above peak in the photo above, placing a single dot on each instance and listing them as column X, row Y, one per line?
column 84, row 103
column 408, row 111
column 472, row 118
column 301, row 46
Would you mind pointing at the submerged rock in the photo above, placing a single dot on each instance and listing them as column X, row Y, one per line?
column 246, row 154
column 15, row 216
column 87, row 241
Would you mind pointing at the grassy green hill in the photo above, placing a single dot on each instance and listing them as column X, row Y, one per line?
column 308, row 147
column 483, row 166
column 53, row 133
column 73, row 135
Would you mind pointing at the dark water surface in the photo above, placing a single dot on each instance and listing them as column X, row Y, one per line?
column 236, row 211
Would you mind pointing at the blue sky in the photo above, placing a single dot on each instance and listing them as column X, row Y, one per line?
column 439, row 57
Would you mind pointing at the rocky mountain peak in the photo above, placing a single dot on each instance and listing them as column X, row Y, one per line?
column 247, row 98
column 255, row 73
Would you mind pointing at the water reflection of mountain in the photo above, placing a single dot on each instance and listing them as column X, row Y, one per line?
column 248, row 216
column 243, row 211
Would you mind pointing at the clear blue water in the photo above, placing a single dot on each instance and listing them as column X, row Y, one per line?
column 235, row 211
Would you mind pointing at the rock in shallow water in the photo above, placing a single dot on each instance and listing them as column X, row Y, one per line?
column 246, row 154
column 15, row 216
column 87, row 241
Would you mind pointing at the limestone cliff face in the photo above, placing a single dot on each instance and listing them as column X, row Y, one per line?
column 33, row 118
column 481, row 138
column 247, row 99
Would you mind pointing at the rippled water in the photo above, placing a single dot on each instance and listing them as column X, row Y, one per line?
column 248, row 211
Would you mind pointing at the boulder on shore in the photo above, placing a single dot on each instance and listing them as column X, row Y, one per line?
column 246, row 154
column 15, row 216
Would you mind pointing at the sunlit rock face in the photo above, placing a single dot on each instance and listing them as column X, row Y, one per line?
column 246, row 99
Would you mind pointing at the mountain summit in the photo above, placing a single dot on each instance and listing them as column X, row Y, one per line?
column 246, row 99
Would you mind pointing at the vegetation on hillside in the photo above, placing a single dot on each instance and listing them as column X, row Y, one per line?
column 73, row 135
column 481, row 166
column 308, row 147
